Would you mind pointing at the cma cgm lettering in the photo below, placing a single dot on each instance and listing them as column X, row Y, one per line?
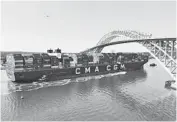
column 102, row 68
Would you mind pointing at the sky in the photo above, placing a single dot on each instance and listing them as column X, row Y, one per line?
column 75, row 26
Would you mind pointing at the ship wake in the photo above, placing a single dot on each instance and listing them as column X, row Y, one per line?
column 17, row 87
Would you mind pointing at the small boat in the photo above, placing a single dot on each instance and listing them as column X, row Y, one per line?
column 153, row 64
column 171, row 84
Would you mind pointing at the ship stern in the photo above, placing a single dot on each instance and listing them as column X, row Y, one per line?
column 10, row 67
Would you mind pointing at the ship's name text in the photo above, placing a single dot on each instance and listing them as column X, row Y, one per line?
column 97, row 69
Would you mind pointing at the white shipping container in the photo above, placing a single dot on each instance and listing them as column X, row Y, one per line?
column 47, row 65
column 19, row 61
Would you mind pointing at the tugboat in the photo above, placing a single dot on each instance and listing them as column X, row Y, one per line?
column 55, row 65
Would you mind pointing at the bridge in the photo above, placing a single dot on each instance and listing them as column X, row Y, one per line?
column 162, row 49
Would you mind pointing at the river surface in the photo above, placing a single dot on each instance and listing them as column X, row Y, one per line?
column 131, row 96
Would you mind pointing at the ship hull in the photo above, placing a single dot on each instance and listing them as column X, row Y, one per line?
column 68, row 73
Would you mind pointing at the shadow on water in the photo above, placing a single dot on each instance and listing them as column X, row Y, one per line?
column 118, row 81
column 109, row 82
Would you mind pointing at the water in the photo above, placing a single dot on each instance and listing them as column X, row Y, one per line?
column 130, row 96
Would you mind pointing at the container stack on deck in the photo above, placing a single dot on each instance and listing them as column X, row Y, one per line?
column 46, row 60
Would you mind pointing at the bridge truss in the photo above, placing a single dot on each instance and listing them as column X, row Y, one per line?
column 163, row 49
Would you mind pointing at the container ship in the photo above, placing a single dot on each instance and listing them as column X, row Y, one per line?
column 54, row 65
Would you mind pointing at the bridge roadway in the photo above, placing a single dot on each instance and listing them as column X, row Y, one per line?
column 127, row 41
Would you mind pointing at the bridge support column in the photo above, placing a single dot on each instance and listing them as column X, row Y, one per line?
column 172, row 48
column 160, row 53
column 166, row 48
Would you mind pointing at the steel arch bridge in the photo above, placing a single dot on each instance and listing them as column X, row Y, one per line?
column 163, row 49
